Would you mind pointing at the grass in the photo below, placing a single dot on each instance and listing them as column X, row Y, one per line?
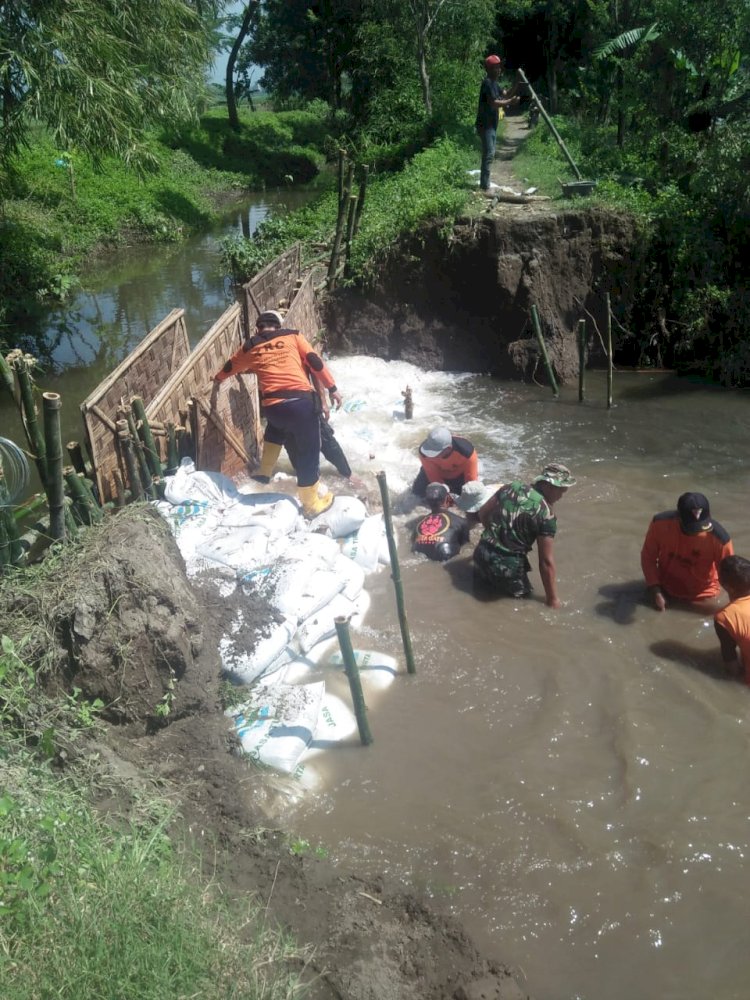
column 90, row 912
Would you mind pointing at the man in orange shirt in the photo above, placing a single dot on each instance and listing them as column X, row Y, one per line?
column 682, row 551
column 445, row 459
column 732, row 623
column 283, row 361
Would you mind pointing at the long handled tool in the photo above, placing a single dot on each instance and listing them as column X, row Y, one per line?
column 551, row 125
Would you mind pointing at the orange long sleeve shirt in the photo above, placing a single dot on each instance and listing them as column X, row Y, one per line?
column 684, row 565
column 281, row 362
column 735, row 618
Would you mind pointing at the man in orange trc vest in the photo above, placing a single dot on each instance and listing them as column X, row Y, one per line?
column 682, row 551
column 283, row 362
column 732, row 623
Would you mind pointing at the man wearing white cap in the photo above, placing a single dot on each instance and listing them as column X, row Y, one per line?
column 516, row 517
column 445, row 458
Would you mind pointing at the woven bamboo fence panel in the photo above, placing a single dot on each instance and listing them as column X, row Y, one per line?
column 276, row 283
column 142, row 374
column 225, row 417
column 303, row 313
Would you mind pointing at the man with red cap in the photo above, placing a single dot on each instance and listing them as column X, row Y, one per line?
column 491, row 99
column 682, row 551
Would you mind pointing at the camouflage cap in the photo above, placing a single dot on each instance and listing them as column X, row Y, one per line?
column 557, row 475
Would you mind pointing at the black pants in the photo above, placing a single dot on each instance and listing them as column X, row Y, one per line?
column 329, row 446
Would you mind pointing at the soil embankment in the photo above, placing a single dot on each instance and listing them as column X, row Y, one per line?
column 124, row 624
column 462, row 302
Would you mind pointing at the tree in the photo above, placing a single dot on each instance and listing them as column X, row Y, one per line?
column 249, row 15
column 99, row 72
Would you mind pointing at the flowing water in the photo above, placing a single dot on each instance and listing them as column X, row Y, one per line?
column 570, row 784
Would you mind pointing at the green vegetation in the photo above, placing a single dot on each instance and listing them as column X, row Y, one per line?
column 87, row 909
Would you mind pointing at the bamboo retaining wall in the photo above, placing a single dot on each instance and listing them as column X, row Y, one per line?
column 141, row 374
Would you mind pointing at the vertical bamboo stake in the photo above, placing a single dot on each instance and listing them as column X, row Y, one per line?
column 543, row 348
column 126, row 450
column 140, row 458
column 149, row 445
column 173, row 458
column 342, row 159
column 581, row 358
column 396, row 573
column 84, row 503
column 350, row 231
column 6, row 377
column 71, row 528
column 195, row 431
column 51, row 404
column 119, row 490
column 76, row 457
column 22, row 367
column 341, row 219
column 355, row 681
column 609, row 352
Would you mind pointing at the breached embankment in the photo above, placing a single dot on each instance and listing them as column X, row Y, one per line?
column 462, row 302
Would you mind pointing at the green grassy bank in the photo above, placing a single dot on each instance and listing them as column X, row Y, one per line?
column 87, row 908
column 58, row 209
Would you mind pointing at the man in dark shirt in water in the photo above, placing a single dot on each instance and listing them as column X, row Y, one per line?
column 441, row 534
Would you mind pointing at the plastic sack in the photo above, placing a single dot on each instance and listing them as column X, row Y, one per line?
column 276, row 730
column 344, row 516
column 278, row 517
column 238, row 548
column 376, row 669
column 302, row 588
column 269, row 647
column 322, row 625
column 369, row 546
column 187, row 484
column 352, row 573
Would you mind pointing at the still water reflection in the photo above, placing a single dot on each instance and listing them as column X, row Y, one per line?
column 572, row 784
column 125, row 296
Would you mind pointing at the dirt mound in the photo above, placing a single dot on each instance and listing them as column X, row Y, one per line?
column 127, row 626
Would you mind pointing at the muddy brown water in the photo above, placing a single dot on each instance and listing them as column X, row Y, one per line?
column 571, row 784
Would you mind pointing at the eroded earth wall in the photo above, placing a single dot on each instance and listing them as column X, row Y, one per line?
column 463, row 303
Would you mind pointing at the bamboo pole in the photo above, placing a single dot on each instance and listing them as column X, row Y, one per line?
column 22, row 366
column 581, row 358
column 609, row 352
column 543, row 348
column 149, row 445
column 131, row 467
column 341, row 161
column 76, row 457
column 51, row 404
column 195, row 430
column 119, row 489
column 71, row 528
column 6, row 378
column 352, row 212
column 355, row 681
column 173, row 457
column 340, row 221
column 551, row 126
column 32, row 505
column 140, row 458
column 396, row 573
column 84, row 504
column 408, row 403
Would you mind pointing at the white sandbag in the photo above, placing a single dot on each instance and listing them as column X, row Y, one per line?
column 279, row 517
column 376, row 669
column 302, row 589
column 187, row 484
column 352, row 573
column 268, row 647
column 317, row 546
column 344, row 516
column 322, row 624
column 191, row 523
column 275, row 731
column 239, row 548
column 367, row 546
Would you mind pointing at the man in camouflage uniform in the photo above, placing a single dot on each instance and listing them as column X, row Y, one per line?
column 514, row 518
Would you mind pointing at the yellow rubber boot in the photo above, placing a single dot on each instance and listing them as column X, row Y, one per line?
column 268, row 460
column 312, row 503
